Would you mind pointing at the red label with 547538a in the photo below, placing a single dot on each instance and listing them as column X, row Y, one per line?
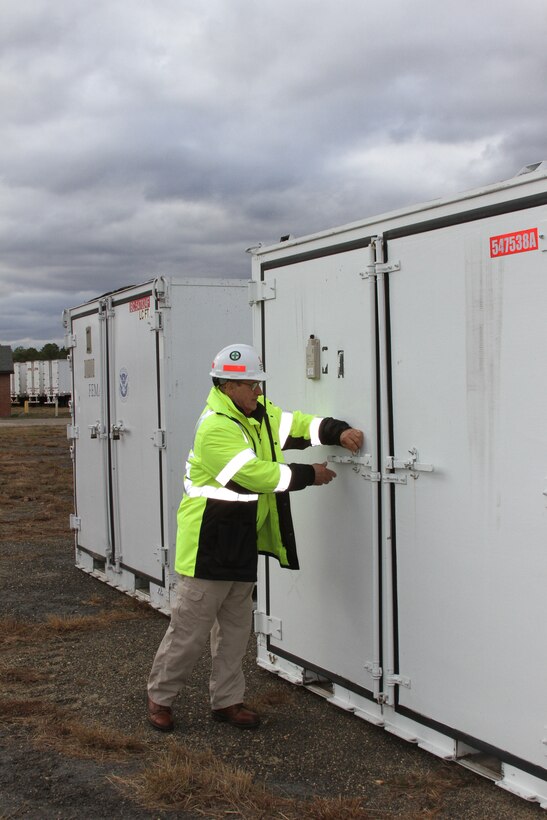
column 517, row 242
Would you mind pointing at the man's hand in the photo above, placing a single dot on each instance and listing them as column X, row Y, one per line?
column 352, row 439
column 322, row 474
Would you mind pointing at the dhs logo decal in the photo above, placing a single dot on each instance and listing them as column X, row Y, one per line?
column 124, row 384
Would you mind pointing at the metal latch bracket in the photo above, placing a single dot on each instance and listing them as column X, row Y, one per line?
column 365, row 460
column 411, row 464
column 374, row 668
column 75, row 522
column 267, row 625
column 261, row 291
column 392, row 478
column 357, row 462
column 399, row 680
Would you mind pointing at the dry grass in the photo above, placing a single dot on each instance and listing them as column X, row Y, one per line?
column 185, row 780
column 429, row 789
column 35, row 504
column 36, row 496
column 18, row 632
column 39, row 411
column 22, row 674
column 271, row 697
column 56, row 728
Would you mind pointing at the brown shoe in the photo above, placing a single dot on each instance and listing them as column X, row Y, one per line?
column 161, row 717
column 237, row 715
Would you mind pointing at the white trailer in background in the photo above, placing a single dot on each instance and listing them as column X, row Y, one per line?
column 421, row 604
column 35, row 381
column 18, row 382
column 57, row 380
column 140, row 363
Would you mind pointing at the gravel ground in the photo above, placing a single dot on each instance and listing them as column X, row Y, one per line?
column 305, row 748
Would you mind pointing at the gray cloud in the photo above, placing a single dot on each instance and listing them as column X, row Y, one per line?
column 166, row 138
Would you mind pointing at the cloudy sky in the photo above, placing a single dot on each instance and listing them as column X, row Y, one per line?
column 166, row 136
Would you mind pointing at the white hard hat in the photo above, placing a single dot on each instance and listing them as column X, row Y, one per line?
column 238, row 361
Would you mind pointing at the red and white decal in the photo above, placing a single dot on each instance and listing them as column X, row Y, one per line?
column 139, row 304
column 517, row 242
column 235, row 368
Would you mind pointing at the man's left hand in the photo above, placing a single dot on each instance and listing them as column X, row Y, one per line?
column 352, row 439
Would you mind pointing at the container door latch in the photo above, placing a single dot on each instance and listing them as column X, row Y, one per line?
column 358, row 463
column 411, row 464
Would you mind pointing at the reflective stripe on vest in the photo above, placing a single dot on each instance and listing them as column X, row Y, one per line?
column 234, row 465
column 285, row 428
column 218, row 493
column 202, row 418
column 314, row 432
column 284, row 478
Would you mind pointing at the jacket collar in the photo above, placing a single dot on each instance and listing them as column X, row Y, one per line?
column 220, row 403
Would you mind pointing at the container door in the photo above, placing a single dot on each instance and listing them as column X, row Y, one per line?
column 90, row 415
column 135, row 436
column 321, row 360
column 468, row 333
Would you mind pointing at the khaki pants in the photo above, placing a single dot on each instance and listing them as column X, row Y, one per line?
column 221, row 609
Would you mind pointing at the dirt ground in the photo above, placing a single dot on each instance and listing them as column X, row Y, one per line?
column 74, row 742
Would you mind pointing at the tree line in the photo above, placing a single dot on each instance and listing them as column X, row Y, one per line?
column 48, row 352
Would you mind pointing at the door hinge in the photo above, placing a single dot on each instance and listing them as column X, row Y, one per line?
column 261, row 291
column 162, row 556
column 72, row 432
column 156, row 324
column 267, row 625
column 159, row 439
column 376, row 268
column 75, row 522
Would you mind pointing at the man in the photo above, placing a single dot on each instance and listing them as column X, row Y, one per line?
column 235, row 506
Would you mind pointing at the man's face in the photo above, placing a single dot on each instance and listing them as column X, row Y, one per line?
column 244, row 394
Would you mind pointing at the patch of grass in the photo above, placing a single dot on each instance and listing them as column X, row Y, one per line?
column 185, row 780
column 430, row 789
column 56, row 728
column 72, row 738
column 273, row 696
column 95, row 600
column 15, row 708
column 17, row 632
column 36, row 496
column 39, row 411
column 22, row 674
column 338, row 808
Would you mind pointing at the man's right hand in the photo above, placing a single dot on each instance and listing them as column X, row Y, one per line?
column 322, row 474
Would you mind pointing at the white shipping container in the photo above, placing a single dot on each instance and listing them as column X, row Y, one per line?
column 57, row 379
column 421, row 603
column 141, row 358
